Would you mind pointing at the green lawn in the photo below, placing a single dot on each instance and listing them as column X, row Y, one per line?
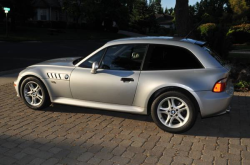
column 44, row 34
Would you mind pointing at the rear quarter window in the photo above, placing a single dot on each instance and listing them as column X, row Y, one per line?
column 162, row 57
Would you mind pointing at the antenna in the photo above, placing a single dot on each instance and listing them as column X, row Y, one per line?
column 194, row 29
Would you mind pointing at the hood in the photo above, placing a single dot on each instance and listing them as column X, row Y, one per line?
column 59, row 62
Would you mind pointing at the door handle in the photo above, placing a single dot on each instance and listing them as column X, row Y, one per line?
column 127, row 79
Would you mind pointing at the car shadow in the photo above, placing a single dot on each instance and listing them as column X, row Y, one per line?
column 235, row 124
column 74, row 109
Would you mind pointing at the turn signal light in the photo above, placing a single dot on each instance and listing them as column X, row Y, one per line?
column 220, row 86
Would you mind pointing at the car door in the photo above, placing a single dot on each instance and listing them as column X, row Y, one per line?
column 116, row 79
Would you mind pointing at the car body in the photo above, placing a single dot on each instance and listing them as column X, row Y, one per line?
column 132, row 81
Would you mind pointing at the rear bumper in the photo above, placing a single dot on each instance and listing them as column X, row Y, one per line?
column 214, row 103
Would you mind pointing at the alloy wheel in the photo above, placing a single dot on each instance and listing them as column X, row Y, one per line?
column 33, row 93
column 173, row 112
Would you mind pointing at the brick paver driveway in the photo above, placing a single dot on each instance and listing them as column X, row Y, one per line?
column 71, row 135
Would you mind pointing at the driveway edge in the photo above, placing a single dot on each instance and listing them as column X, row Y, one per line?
column 10, row 71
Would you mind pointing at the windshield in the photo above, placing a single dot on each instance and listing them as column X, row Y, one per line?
column 215, row 55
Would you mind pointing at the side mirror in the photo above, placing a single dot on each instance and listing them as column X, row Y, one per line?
column 94, row 67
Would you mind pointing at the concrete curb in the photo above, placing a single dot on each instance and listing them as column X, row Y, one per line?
column 11, row 71
column 240, row 52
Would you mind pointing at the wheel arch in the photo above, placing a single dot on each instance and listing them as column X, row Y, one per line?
column 34, row 76
column 171, row 88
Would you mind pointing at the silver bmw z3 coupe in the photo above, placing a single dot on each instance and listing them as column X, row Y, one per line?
column 171, row 79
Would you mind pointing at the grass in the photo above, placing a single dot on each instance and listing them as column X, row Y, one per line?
column 44, row 34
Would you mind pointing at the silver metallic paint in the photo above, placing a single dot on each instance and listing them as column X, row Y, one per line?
column 104, row 90
column 105, row 86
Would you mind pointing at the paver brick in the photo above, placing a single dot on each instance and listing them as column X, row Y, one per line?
column 51, row 161
column 200, row 162
column 195, row 154
column 119, row 150
column 234, row 162
column 135, row 149
column 7, row 160
column 30, row 151
column 138, row 159
column 151, row 159
column 165, row 160
column 104, row 155
column 128, row 154
column 198, row 146
column 246, row 155
column 245, row 162
column 85, row 157
column 37, row 161
column 220, row 161
column 181, row 159
column 120, row 160
column 73, row 135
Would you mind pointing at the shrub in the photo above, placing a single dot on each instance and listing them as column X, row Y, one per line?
column 240, row 33
column 206, row 30
column 216, row 38
column 243, row 86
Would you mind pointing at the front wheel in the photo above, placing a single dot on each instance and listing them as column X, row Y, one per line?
column 34, row 93
column 173, row 112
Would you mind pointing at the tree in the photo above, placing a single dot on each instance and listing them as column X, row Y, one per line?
column 171, row 11
column 211, row 11
column 74, row 8
column 239, row 7
column 142, row 17
column 182, row 18
column 158, row 7
column 166, row 11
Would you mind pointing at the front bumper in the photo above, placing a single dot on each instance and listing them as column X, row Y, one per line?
column 16, row 88
column 214, row 103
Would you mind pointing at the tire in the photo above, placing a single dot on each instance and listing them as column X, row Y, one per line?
column 176, row 118
column 34, row 94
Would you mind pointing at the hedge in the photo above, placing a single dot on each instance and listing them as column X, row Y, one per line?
column 240, row 33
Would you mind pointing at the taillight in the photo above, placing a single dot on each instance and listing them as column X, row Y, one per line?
column 220, row 86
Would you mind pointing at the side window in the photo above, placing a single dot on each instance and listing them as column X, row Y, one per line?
column 124, row 57
column 95, row 58
column 170, row 58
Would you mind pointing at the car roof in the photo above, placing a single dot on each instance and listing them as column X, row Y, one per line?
column 155, row 40
column 192, row 45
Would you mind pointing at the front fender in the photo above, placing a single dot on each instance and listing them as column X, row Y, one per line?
column 55, row 87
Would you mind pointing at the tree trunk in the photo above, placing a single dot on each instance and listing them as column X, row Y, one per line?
column 182, row 18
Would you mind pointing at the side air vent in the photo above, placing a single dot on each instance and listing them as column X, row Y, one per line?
column 58, row 76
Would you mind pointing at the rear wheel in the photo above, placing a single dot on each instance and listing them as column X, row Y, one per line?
column 34, row 93
column 173, row 112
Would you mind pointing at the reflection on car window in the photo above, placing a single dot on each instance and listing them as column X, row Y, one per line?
column 124, row 57
column 95, row 58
